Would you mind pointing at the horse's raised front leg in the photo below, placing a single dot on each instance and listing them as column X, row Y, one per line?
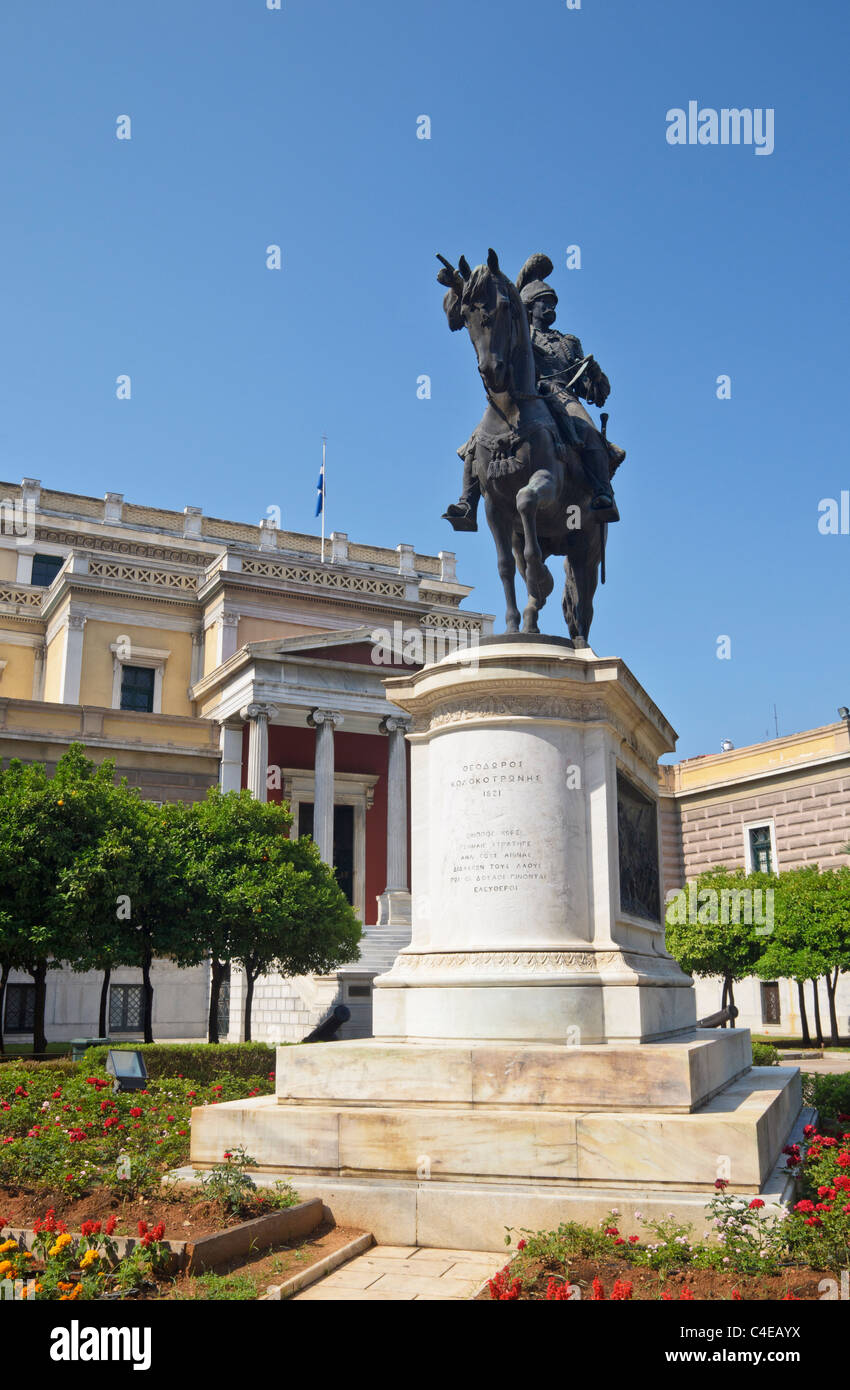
column 500, row 526
column 538, row 491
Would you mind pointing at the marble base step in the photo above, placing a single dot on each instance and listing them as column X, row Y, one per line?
column 674, row 1076
column 738, row 1134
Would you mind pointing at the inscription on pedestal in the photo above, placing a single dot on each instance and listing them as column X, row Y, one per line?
column 493, row 860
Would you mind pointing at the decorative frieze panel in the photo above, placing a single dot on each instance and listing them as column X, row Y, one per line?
column 142, row 574
column 293, row 573
column 21, row 597
column 113, row 546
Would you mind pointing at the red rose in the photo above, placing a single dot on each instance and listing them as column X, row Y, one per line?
column 756, row 1203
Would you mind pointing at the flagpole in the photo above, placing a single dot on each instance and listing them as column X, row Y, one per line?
column 324, row 491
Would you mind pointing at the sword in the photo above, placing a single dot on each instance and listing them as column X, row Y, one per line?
column 603, row 419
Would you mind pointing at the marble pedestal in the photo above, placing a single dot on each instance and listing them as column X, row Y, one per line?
column 536, row 1055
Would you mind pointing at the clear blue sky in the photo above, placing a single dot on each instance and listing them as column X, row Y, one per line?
column 298, row 127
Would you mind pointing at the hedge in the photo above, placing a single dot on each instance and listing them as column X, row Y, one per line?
column 200, row 1061
column 765, row 1055
column 63, row 1065
column 829, row 1093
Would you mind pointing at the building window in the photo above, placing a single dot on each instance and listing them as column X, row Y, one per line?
column 45, row 569
column 125, row 1008
column 20, row 1008
column 770, row 1010
column 761, row 853
column 137, row 686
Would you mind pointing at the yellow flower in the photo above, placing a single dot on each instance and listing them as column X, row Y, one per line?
column 39, row 1288
column 61, row 1242
column 5, row 1266
column 8, row 1245
column 89, row 1258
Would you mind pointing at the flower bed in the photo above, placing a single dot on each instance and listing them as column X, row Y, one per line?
column 754, row 1251
column 70, row 1134
column 60, row 1266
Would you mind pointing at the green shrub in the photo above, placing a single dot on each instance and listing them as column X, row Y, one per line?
column 196, row 1061
column 830, row 1095
column 765, row 1055
column 61, row 1065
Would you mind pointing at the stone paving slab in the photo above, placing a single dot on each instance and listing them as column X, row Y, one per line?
column 407, row 1273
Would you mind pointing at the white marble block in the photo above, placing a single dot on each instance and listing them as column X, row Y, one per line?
column 537, row 911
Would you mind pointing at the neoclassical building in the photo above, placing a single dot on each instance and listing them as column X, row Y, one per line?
column 193, row 650
column 196, row 650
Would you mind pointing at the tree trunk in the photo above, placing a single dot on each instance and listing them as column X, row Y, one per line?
column 250, row 976
column 724, row 996
column 104, row 999
column 831, row 978
column 731, row 1000
column 147, row 996
column 818, row 1025
column 804, row 1017
column 4, row 975
column 39, row 1037
column 803, row 1014
column 217, row 970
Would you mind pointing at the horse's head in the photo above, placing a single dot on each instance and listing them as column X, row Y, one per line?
column 485, row 302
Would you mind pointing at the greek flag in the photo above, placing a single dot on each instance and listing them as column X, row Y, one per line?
column 320, row 491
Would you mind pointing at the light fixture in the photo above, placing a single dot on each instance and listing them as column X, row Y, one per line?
column 727, row 746
column 128, row 1068
column 844, row 712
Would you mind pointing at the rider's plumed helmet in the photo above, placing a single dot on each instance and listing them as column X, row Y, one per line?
column 531, row 281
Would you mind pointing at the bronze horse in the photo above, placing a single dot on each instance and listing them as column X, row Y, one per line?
column 536, row 495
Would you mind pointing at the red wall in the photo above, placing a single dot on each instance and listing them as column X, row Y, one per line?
column 364, row 753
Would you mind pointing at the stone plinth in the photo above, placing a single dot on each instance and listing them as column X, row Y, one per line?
column 535, row 873
column 535, row 1056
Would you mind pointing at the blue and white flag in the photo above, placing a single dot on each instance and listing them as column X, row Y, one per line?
column 320, row 492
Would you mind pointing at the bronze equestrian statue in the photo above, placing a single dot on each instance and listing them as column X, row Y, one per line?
column 537, row 459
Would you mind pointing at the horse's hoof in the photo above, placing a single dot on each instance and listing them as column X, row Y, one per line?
column 538, row 577
column 580, row 643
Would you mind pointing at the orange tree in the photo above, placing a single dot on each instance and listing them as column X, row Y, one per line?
column 256, row 897
column 47, row 825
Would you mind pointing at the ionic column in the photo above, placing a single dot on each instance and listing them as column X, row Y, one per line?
column 258, row 717
column 39, row 657
column 73, row 660
column 394, row 902
column 324, row 721
column 230, row 771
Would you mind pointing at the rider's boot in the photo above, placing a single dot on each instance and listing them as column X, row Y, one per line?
column 462, row 514
column 602, row 504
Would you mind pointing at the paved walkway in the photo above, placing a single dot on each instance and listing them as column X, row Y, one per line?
column 405, row 1272
column 830, row 1065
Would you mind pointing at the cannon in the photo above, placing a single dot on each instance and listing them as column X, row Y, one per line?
column 330, row 1026
column 723, row 1016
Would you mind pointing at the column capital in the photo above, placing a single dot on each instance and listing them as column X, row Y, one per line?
column 257, row 711
column 76, row 621
column 318, row 717
column 395, row 723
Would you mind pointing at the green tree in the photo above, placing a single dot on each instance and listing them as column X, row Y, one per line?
column 811, row 939
column 259, row 899
column 46, row 825
column 713, row 926
column 136, row 874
